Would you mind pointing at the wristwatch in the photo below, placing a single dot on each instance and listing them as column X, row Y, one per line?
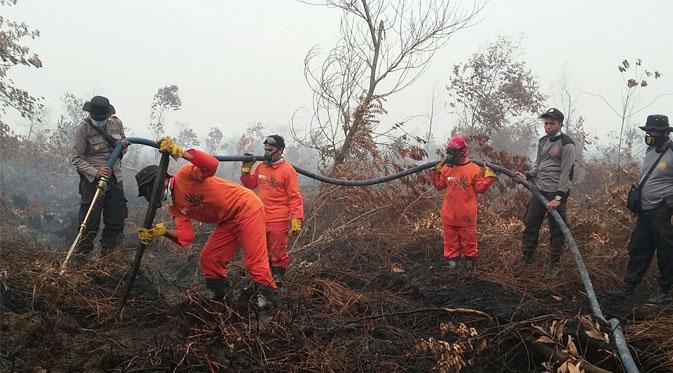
column 558, row 198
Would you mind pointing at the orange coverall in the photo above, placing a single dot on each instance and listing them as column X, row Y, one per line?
column 279, row 191
column 237, row 212
column 461, row 184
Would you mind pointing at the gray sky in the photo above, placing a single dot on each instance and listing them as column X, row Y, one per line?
column 237, row 62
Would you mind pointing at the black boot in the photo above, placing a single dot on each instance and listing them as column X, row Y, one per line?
column 278, row 274
column 218, row 289
column 83, row 249
column 469, row 263
column 265, row 298
column 110, row 241
column 552, row 271
column 662, row 297
column 628, row 293
column 85, row 244
column 522, row 262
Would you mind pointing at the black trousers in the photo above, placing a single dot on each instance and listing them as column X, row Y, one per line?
column 653, row 231
column 112, row 205
column 534, row 217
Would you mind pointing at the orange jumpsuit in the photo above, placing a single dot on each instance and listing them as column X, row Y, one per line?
column 461, row 184
column 279, row 191
column 237, row 212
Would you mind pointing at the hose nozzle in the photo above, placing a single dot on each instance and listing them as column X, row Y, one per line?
column 102, row 182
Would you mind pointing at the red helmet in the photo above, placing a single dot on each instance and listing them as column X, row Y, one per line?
column 456, row 143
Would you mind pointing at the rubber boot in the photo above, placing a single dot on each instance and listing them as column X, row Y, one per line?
column 522, row 263
column 469, row 263
column 110, row 241
column 266, row 297
column 218, row 289
column 552, row 271
column 628, row 293
column 86, row 241
column 278, row 274
column 661, row 298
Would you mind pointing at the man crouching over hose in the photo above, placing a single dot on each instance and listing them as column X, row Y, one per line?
column 238, row 213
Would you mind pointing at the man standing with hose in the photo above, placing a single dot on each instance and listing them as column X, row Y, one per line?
column 652, row 200
column 94, row 139
column 195, row 193
column 461, row 181
column 552, row 174
column 283, row 204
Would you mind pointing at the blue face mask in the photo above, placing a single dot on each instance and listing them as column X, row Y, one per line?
column 100, row 124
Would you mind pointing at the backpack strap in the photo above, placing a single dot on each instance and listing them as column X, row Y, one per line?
column 106, row 136
column 565, row 140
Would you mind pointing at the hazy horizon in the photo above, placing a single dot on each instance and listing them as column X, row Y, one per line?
column 241, row 62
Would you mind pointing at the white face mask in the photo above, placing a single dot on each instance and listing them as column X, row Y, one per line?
column 100, row 124
column 168, row 195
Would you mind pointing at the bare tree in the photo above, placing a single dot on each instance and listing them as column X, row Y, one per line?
column 494, row 89
column 71, row 115
column 635, row 78
column 384, row 46
column 573, row 123
column 214, row 140
column 187, row 137
column 166, row 98
column 13, row 54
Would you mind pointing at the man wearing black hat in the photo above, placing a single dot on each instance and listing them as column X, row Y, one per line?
column 551, row 174
column 653, row 226
column 94, row 139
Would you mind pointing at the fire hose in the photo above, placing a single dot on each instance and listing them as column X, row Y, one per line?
column 614, row 325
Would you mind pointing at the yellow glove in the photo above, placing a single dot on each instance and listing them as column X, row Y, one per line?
column 146, row 235
column 296, row 227
column 246, row 167
column 439, row 166
column 166, row 145
column 488, row 172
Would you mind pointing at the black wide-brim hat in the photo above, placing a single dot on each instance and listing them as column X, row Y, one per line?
column 657, row 122
column 99, row 108
column 146, row 177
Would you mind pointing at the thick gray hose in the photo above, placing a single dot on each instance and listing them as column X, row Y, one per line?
column 617, row 332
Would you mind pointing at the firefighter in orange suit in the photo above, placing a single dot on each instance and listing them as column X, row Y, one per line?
column 195, row 193
column 278, row 188
column 461, row 181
